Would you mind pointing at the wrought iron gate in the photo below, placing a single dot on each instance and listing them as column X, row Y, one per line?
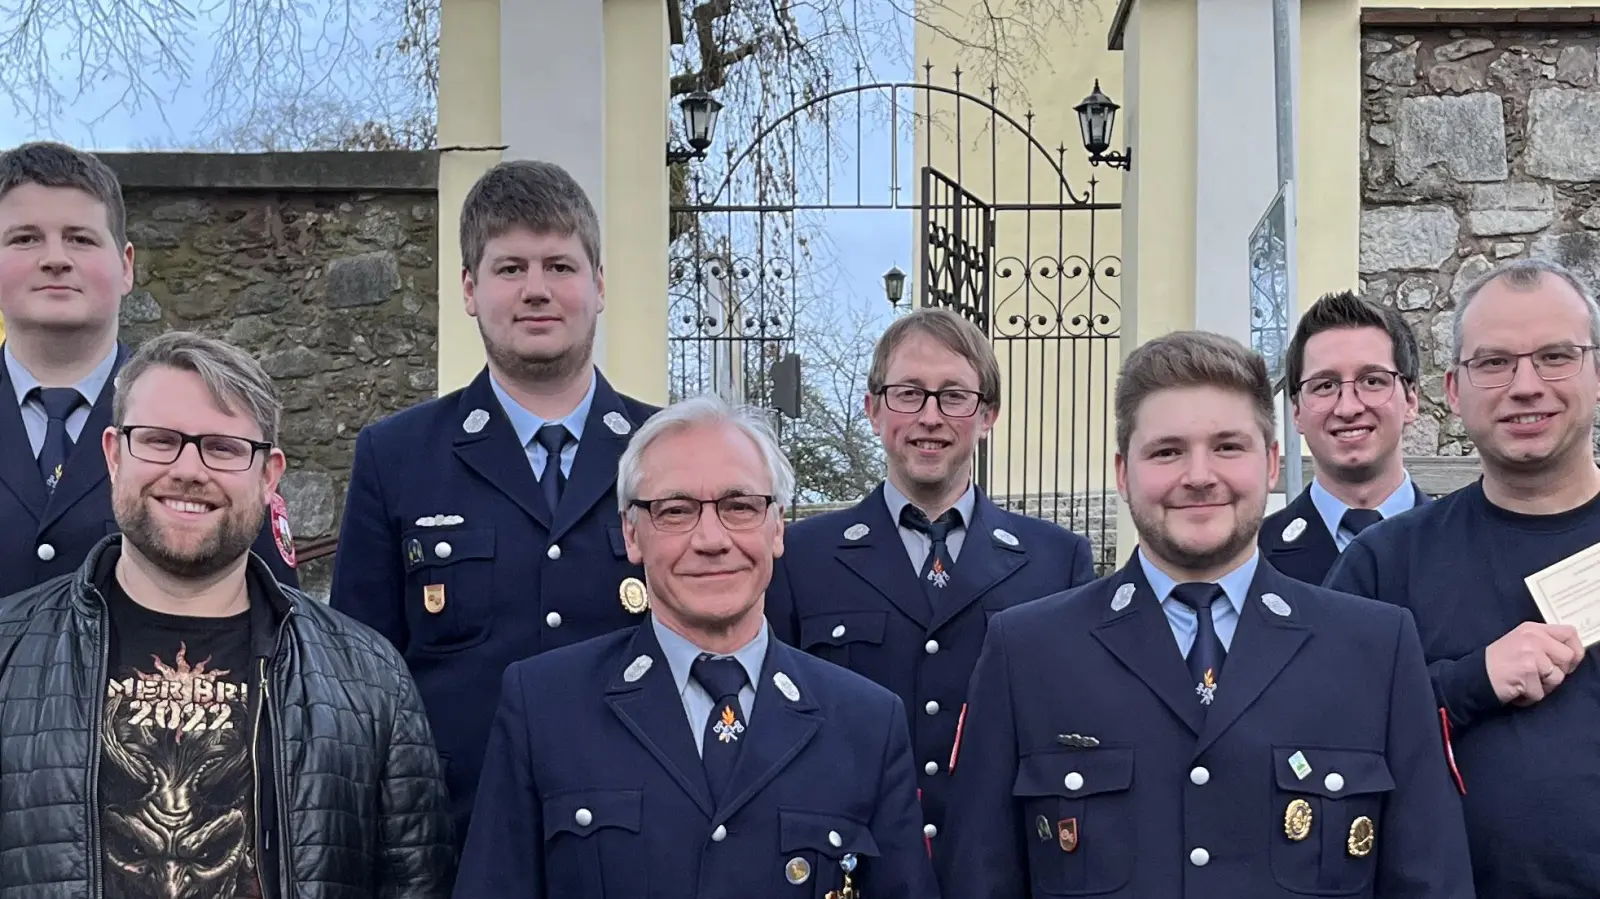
column 1029, row 271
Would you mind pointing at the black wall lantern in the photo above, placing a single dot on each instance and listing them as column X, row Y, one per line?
column 700, row 121
column 1097, row 117
column 894, row 286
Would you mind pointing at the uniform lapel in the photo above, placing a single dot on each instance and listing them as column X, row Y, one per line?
column 1420, row 498
column 1308, row 554
column 594, row 468
column 650, row 707
column 780, row 727
column 493, row 450
column 86, row 468
column 1263, row 644
column 19, row 468
column 1140, row 636
column 879, row 557
column 986, row 559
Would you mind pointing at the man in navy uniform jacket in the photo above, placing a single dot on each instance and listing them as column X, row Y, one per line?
column 697, row 756
column 1353, row 371
column 1198, row 724
column 482, row 527
column 1521, row 695
column 901, row 586
column 65, row 264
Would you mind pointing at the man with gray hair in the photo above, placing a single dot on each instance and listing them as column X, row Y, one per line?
column 174, row 720
column 1520, row 712
column 696, row 755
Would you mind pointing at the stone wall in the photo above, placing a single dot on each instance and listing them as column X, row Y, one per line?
column 322, row 265
column 1479, row 144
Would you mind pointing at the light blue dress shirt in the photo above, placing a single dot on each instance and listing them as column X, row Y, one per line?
column 1224, row 615
column 526, row 424
column 917, row 543
column 35, row 419
column 1332, row 509
column 697, row 702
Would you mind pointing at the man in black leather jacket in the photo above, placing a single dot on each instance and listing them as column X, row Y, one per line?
column 176, row 723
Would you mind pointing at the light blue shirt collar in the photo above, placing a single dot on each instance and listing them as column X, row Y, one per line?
column 681, row 654
column 23, row 380
column 1331, row 509
column 1235, row 584
column 526, row 424
column 897, row 501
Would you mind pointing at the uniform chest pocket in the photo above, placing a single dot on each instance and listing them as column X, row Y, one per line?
column 1077, row 810
column 814, row 847
column 836, row 635
column 592, row 844
column 1327, row 815
column 450, row 596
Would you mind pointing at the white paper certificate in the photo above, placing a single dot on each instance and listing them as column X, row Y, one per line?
column 1568, row 592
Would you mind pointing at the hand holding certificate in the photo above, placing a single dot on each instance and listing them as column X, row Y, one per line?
column 1568, row 592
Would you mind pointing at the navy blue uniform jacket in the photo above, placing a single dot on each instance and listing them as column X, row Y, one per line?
column 1176, row 799
column 439, row 501
column 1308, row 555
column 592, row 788
column 44, row 535
column 856, row 601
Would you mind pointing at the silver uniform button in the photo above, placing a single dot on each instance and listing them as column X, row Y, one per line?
column 929, row 831
column 46, row 552
column 1199, row 856
column 1334, row 782
column 931, row 647
column 1074, row 781
column 554, row 552
column 720, row 834
column 932, row 707
column 583, row 817
column 1200, row 776
column 834, row 839
column 441, row 549
column 838, row 631
column 931, row 767
column 553, row 619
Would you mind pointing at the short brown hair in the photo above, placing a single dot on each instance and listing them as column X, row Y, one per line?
column 50, row 164
column 526, row 193
column 958, row 335
column 1192, row 359
column 233, row 377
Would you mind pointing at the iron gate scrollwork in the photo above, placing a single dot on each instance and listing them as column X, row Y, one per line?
column 1030, row 270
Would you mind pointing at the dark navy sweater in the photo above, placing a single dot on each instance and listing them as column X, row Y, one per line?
column 1532, row 775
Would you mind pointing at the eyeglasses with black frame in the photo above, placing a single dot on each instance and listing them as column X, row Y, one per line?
column 1372, row 388
column 218, row 452
column 678, row 514
column 1551, row 363
column 910, row 399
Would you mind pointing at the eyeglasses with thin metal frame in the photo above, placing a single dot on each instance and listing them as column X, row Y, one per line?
column 1372, row 388
column 218, row 452
column 909, row 399
column 1551, row 363
column 679, row 514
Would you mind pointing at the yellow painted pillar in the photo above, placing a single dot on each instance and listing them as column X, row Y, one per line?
column 469, row 116
column 634, row 357
column 1329, row 161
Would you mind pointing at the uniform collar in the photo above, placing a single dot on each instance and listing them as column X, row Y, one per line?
column 681, row 653
column 1236, row 583
column 1331, row 509
column 896, row 501
column 23, row 381
column 526, row 424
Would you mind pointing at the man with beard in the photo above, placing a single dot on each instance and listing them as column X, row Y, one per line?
column 65, row 264
column 179, row 725
column 695, row 756
column 1352, row 367
column 900, row 587
column 482, row 527
column 1520, row 707
column 1198, row 724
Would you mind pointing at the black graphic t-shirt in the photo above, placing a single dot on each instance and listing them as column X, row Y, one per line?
column 177, row 781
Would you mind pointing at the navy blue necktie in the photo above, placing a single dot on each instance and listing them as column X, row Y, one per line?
column 725, row 726
column 58, row 402
column 1357, row 520
column 938, row 566
column 554, row 439
column 1206, row 656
